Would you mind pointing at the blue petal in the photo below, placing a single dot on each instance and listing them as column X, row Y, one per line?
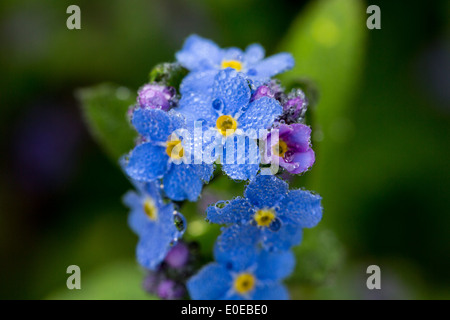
column 132, row 200
column 275, row 265
column 254, row 53
column 235, row 238
column 274, row 291
column 153, row 124
column 266, row 191
column 153, row 190
column 204, row 171
column 301, row 208
column 182, row 182
column 196, row 107
column 210, row 283
column 274, row 65
column 177, row 120
column 240, row 171
column 199, row 54
column 137, row 220
column 231, row 90
column 244, row 164
column 157, row 239
column 153, row 247
column 237, row 210
column 232, row 54
column 260, row 114
column 283, row 239
column 238, row 257
column 198, row 83
column 147, row 162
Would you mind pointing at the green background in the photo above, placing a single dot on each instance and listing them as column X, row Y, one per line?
column 380, row 131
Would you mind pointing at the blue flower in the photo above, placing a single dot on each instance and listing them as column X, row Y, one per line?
column 256, row 276
column 157, row 225
column 204, row 59
column 230, row 114
column 269, row 215
column 166, row 154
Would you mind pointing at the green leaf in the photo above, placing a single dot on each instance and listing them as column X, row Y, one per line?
column 104, row 108
column 328, row 43
column 118, row 281
column 169, row 74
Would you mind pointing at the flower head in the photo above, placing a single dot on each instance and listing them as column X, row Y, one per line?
column 157, row 225
column 256, row 276
column 291, row 147
column 164, row 153
column 203, row 58
column 229, row 112
column 270, row 215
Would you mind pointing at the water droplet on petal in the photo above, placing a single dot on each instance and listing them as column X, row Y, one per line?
column 221, row 204
column 289, row 156
column 179, row 222
column 275, row 225
column 217, row 104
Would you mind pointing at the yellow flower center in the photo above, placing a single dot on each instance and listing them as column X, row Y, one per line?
column 244, row 283
column 175, row 149
column 226, row 125
column 150, row 209
column 280, row 148
column 264, row 217
column 237, row 65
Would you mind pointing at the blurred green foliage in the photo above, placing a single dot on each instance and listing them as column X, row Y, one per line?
column 113, row 282
column 105, row 111
column 380, row 133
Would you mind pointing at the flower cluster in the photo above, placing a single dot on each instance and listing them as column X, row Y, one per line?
column 227, row 112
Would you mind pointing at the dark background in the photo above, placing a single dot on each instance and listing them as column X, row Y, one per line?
column 381, row 136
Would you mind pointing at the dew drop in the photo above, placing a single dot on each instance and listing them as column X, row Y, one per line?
column 217, row 104
column 221, row 204
column 289, row 156
column 179, row 222
column 222, row 76
column 275, row 225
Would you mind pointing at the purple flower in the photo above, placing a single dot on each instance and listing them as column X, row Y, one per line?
column 178, row 256
column 262, row 91
column 292, row 147
column 294, row 107
column 152, row 281
column 169, row 289
column 156, row 97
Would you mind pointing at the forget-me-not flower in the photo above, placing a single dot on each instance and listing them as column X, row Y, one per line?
column 270, row 215
column 230, row 113
column 203, row 58
column 257, row 276
column 157, row 224
column 164, row 153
